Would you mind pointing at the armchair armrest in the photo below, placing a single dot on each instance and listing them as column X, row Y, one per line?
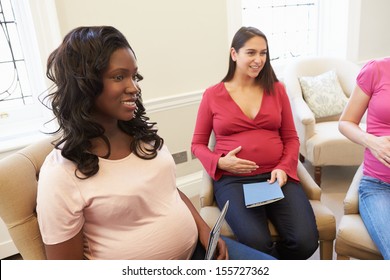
column 305, row 120
column 303, row 112
column 206, row 195
column 351, row 200
column 310, row 187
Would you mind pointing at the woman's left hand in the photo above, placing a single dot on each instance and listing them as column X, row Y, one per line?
column 279, row 175
column 222, row 251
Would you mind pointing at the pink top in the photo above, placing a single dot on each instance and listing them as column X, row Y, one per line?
column 130, row 209
column 374, row 80
column 270, row 139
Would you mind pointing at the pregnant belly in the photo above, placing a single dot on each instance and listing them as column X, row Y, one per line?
column 261, row 146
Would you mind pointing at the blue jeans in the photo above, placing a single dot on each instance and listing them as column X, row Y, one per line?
column 374, row 208
column 236, row 250
column 292, row 217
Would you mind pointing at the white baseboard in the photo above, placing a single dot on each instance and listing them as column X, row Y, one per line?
column 7, row 249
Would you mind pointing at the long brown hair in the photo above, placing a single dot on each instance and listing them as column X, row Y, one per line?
column 266, row 77
column 76, row 68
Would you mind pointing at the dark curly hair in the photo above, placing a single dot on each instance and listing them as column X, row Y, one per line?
column 267, row 76
column 76, row 68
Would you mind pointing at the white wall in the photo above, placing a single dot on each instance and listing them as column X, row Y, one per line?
column 368, row 36
column 374, row 34
column 180, row 45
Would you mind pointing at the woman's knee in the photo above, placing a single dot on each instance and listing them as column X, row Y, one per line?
column 300, row 247
column 306, row 248
column 259, row 242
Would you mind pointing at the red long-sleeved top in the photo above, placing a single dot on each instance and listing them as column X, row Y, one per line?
column 270, row 139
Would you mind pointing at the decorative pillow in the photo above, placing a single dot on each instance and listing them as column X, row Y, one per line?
column 323, row 94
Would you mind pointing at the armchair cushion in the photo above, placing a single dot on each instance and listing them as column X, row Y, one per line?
column 329, row 147
column 353, row 239
column 323, row 94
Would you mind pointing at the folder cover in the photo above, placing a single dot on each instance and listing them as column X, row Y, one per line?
column 257, row 194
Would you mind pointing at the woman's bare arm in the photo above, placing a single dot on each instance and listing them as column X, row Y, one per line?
column 71, row 249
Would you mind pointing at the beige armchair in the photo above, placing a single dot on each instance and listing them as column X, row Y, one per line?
column 353, row 240
column 321, row 142
column 19, row 174
column 326, row 223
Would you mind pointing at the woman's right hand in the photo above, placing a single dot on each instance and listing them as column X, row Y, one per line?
column 379, row 146
column 231, row 163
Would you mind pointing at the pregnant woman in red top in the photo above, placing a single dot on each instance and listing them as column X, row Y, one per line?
column 250, row 115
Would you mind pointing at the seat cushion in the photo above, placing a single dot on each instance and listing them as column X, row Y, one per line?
column 329, row 147
column 353, row 240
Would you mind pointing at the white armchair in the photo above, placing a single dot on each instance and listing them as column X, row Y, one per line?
column 19, row 173
column 321, row 143
column 353, row 239
column 325, row 219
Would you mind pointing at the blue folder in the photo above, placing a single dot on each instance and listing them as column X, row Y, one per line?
column 257, row 194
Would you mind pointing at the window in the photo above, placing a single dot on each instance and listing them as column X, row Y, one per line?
column 291, row 26
column 14, row 89
column 299, row 28
column 22, row 70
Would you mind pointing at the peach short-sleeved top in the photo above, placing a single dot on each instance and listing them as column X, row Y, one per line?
column 130, row 209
